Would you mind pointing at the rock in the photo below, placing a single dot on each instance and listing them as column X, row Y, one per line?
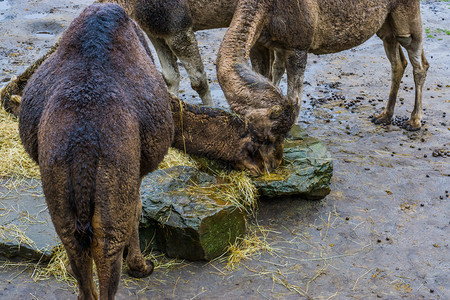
column 184, row 218
column 26, row 229
column 306, row 169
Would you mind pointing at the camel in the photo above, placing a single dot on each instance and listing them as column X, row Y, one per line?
column 223, row 135
column 294, row 28
column 94, row 142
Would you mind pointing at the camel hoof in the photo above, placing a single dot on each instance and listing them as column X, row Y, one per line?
column 142, row 272
column 410, row 127
column 381, row 119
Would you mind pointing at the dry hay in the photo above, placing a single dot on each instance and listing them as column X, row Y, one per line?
column 14, row 161
column 234, row 186
column 175, row 157
column 14, row 233
column 57, row 268
column 253, row 244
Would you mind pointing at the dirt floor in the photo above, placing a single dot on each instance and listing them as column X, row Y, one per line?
column 383, row 232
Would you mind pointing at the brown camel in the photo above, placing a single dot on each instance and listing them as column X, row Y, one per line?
column 93, row 141
column 292, row 28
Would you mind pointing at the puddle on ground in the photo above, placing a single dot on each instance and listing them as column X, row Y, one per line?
column 45, row 27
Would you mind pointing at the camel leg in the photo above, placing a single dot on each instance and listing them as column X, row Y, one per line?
column 80, row 259
column 260, row 59
column 169, row 65
column 278, row 67
column 81, row 268
column 398, row 65
column 64, row 223
column 109, row 266
column 295, row 67
column 420, row 67
column 185, row 47
column 137, row 266
column 407, row 26
column 110, row 238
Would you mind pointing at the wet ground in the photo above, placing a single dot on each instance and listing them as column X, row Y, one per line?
column 382, row 232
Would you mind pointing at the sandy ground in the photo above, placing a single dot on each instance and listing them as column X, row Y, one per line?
column 383, row 232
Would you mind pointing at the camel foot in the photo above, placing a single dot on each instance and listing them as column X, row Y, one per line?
column 412, row 126
column 382, row 118
column 141, row 271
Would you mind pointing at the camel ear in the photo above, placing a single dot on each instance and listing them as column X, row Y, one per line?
column 275, row 112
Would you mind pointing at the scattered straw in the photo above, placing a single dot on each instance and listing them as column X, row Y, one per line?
column 56, row 268
column 12, row 232
column 254, row 243
column 239, row 190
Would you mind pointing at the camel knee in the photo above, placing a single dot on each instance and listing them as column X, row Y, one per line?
column 404, row 40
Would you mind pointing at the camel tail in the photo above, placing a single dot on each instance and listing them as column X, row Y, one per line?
column 82, row 186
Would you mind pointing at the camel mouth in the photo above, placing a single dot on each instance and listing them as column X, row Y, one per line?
column 262, row 158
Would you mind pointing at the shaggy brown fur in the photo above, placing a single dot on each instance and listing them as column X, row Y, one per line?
column 96, row 118
column 292, row 28
column 222, row 135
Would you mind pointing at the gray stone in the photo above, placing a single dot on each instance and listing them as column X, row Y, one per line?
column 306, row 169
column 26, row 229
column 184, row 218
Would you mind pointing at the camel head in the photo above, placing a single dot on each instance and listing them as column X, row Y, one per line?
column 268, row 129
column 257, row 158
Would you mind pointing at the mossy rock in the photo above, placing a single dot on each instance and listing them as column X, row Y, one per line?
column 306, row 170
column 183, row 218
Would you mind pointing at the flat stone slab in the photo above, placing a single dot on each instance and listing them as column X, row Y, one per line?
column 26, row 229
column 306, row 170
column 184, row 218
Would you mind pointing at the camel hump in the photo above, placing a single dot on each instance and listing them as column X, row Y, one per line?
column 94, row 31
column 163, row 17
